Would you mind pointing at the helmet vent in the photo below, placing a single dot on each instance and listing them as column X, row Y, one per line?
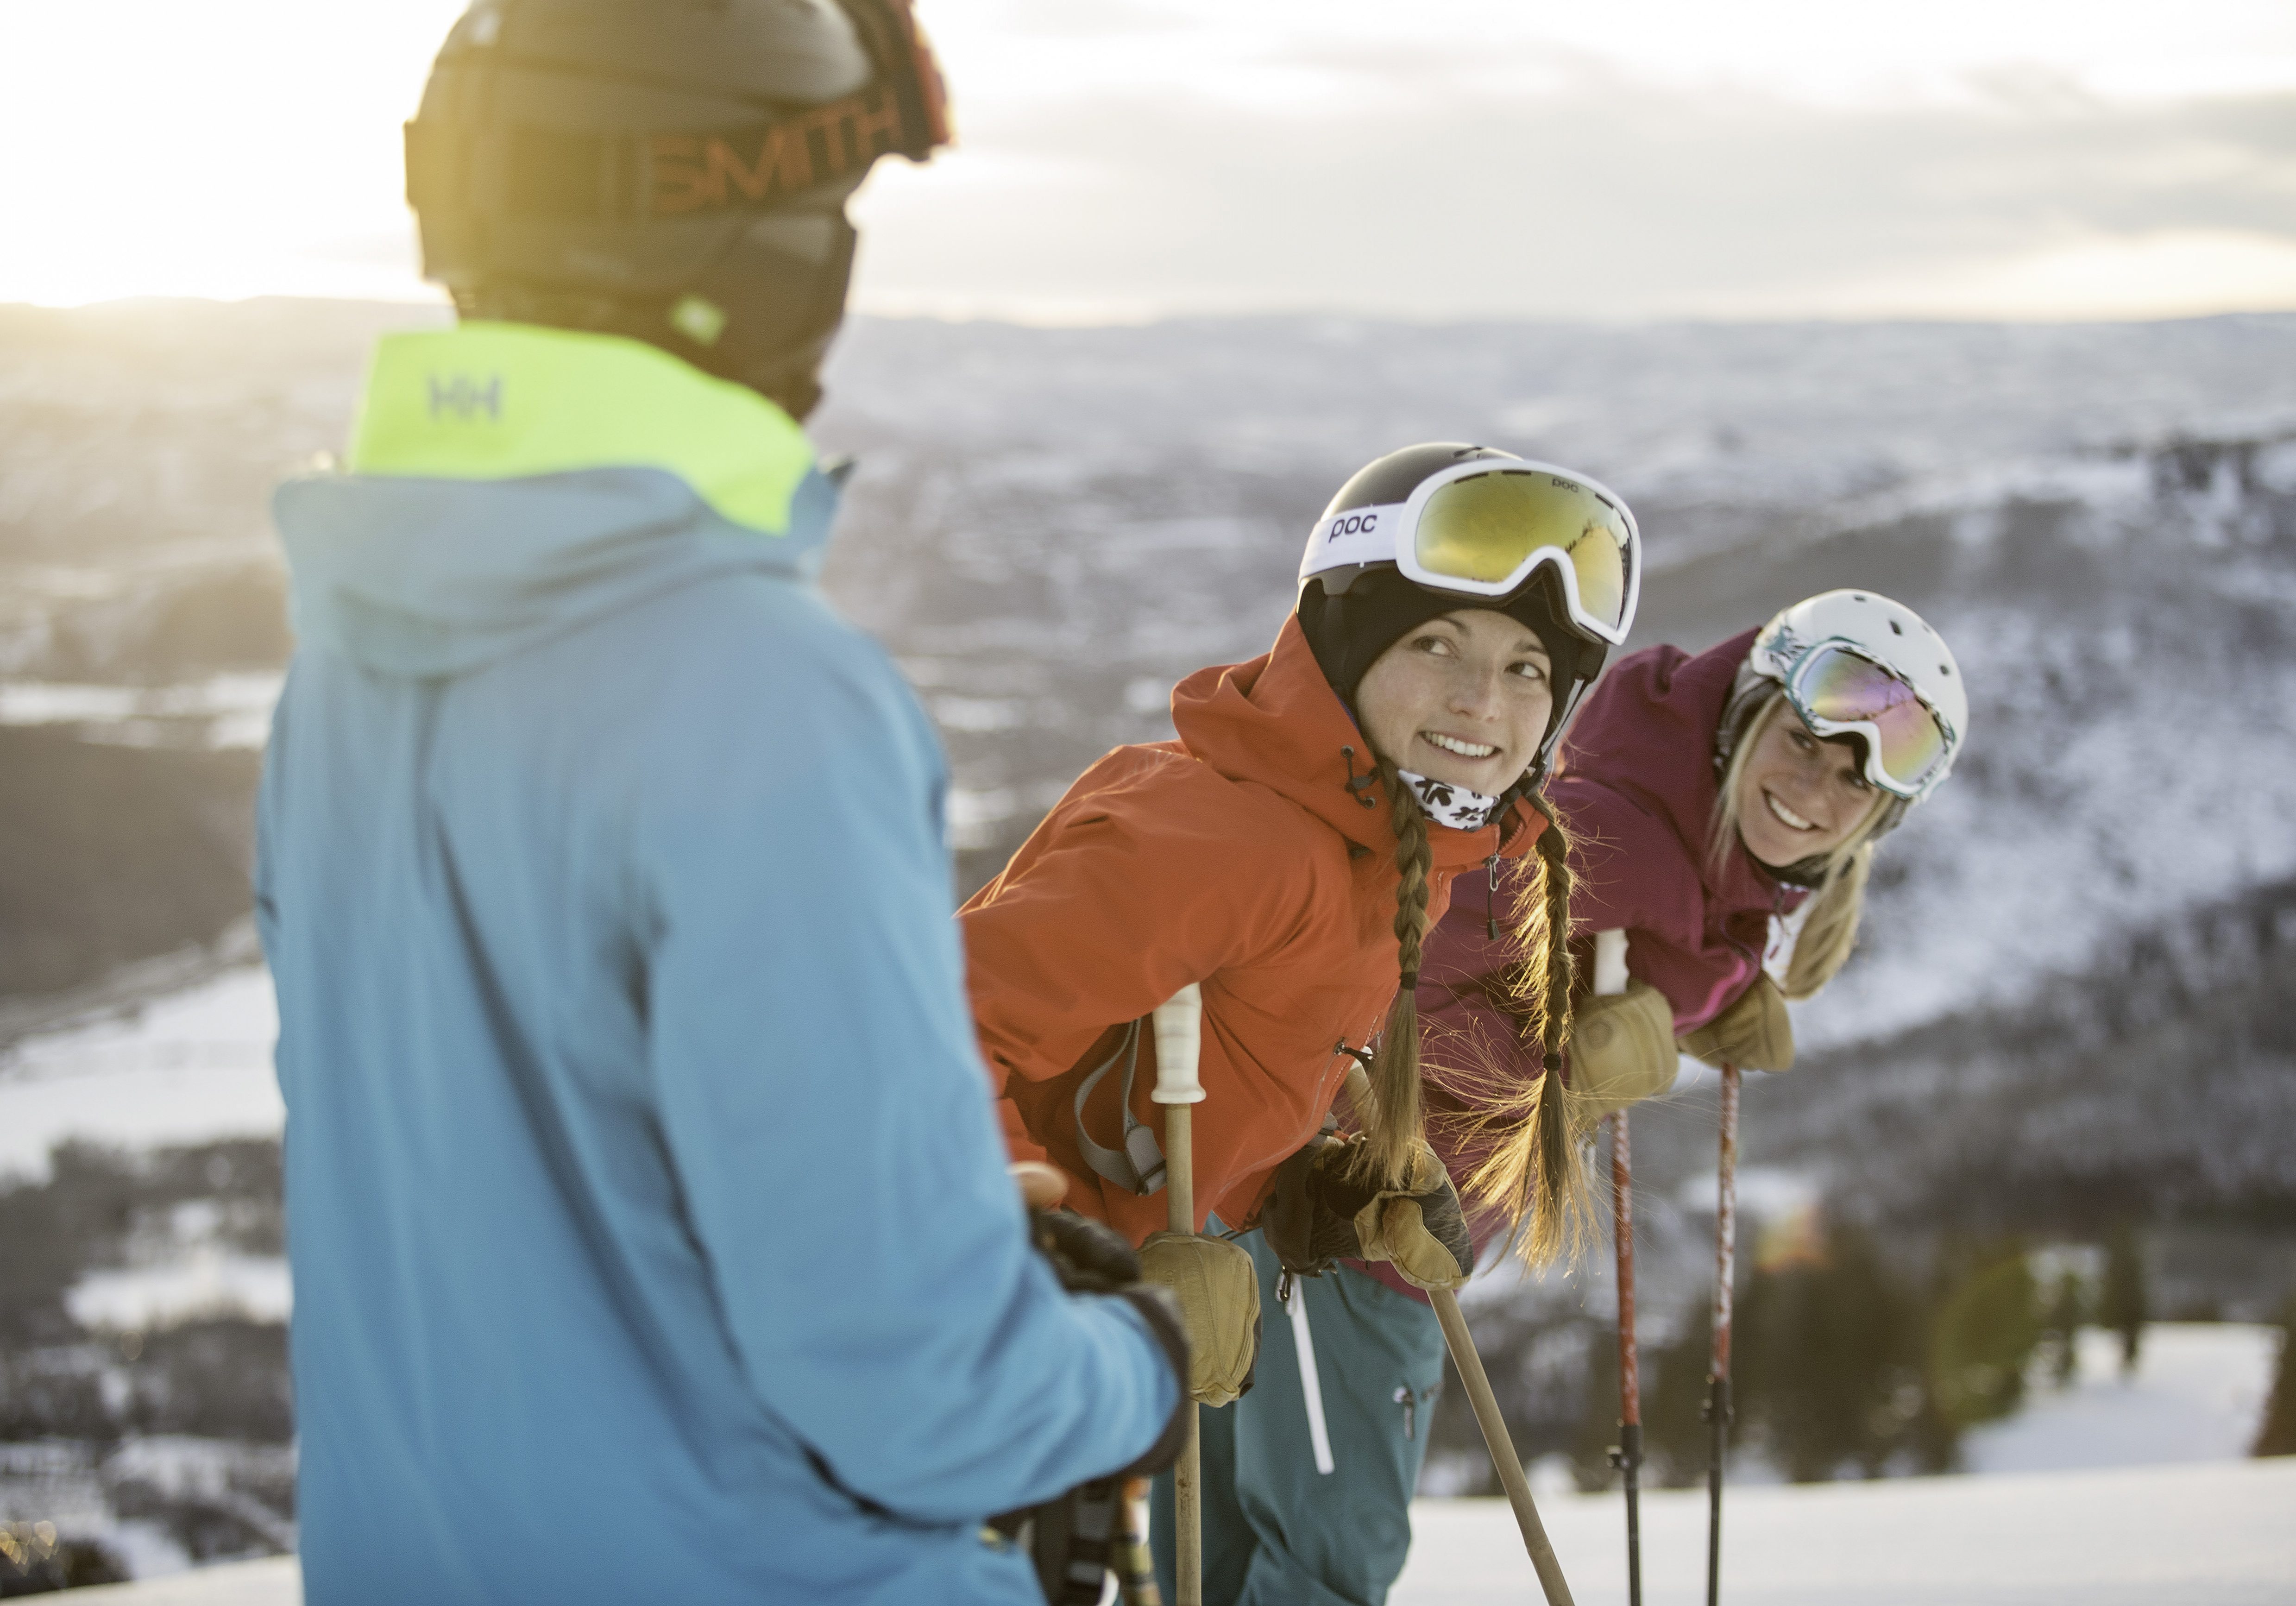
column 1895, row 629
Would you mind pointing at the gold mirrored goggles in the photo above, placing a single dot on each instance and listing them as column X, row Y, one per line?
column 1482, row 528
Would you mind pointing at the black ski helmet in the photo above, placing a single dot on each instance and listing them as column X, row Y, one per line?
column 674, row 171
column 1352, row 615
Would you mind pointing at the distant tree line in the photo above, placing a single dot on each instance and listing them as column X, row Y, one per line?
column 1849, row 1360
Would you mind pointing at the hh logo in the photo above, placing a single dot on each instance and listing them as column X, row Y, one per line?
column 465, row 398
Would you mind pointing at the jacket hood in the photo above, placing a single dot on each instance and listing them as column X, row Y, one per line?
column 1647, row 732
column 510, row 483
column 1277, row 722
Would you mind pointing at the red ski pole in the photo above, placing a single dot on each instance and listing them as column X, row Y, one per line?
column 1628, row 1455
column 1718, row 1376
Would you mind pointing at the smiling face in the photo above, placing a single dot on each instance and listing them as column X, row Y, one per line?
column 1799, row 795
column 1461, row 699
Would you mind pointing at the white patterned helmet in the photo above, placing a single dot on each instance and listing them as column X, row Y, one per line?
column 1856, row 663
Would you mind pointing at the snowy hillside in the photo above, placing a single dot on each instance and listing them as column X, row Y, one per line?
column 1049, row 524
column 1052, row 526
column 2073, row 1005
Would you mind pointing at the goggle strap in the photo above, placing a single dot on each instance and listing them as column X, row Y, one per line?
column 898, row 45
column 754, row 166
column 759, row 165
column 1358, row 536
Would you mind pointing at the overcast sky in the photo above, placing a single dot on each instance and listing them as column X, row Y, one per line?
column 1443, row 158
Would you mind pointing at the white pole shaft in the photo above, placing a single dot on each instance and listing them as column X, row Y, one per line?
column 1610, row 963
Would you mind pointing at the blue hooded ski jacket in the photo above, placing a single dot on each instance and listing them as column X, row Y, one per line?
column 651, row 1229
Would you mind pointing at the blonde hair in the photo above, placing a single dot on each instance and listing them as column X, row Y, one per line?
column 1397, row 1123
column 1829, row 931
column 1536, row 1173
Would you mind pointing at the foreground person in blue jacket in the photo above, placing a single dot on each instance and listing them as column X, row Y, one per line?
column 651, row 1231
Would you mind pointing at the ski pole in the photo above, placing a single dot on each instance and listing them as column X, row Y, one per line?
column 1462, row 1345
column 1626, row 1456
column 1179, row 1023
column 1495, row 1437
column 1718, row 1376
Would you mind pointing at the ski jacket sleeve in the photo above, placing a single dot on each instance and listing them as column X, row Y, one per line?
column 1128, row 893
column 821, row 1100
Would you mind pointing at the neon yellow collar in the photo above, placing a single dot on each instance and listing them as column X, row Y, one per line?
column 504, row 401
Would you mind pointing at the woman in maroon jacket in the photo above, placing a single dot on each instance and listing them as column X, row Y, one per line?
column 1723, row 809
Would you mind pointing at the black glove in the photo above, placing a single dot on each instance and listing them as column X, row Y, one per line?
column 1320, row 1213
column 1089, row 1258
column 1305, row 1231
column 1075, row 1539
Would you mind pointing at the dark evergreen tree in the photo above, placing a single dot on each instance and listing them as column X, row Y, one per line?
column 1829, row 1352
column 2122, row 1304
column 1986, row 1327
column 1597, row 1432
column 2068, row 1310
column 1676, row 1443
column 2278, row 1436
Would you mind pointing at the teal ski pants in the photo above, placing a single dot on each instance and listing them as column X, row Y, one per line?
column 1277, row 1531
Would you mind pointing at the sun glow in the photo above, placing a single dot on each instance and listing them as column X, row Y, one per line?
column 227, row 150
column 251, row 147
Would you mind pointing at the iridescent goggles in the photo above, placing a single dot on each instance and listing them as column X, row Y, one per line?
column 1838, row 691
column 1482, row 526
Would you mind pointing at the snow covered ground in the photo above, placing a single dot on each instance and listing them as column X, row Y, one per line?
column 208, row 1281
column 2198, row 1395
column 2133, row 1537
column 277, row 1582
column 2111, row 1491
column 191, row 1066
column 2150, row 1537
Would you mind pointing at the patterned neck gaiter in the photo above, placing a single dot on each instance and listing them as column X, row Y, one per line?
column 1449, row 805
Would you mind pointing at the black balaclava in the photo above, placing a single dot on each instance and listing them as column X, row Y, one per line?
column 1348, row 631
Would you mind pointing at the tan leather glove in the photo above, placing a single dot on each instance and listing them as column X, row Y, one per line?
column 1419, row 1228
column 1218, row 1295
column 1753, row 1034
column 1622, row 1048
column 1320, row 1213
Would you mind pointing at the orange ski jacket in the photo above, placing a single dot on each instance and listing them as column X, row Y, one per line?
column 1238, row 857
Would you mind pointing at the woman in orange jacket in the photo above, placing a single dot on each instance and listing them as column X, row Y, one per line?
column 1288, row 853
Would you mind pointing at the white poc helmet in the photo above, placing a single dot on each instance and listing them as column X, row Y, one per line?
column 1856, row 663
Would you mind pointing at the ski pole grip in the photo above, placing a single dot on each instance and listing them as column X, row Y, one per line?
column 1179, row 1043
column 1610, row 963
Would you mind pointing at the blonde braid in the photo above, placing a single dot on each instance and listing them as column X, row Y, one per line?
column 1536, row 1173
column 1400, row 1126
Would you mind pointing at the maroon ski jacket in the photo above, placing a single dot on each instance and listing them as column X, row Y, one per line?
column 1636, row 786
